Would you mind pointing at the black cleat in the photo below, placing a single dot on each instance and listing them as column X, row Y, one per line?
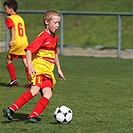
column 12, row 82
column 33, row 120
column 8, row 113
column 28, row 86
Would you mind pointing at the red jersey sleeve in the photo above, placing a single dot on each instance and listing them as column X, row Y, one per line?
column 35, row 44
column 9, row 23
column 43, row 41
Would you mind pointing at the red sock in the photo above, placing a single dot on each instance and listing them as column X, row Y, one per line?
column 40, row 106
column 27, row 73
column 11, row 70
column 24, row 98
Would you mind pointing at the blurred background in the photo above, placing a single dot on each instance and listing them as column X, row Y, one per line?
column 82, row 31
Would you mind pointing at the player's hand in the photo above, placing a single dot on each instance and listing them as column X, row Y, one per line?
column 10, row 43
column 61, row 75
column 32, row 71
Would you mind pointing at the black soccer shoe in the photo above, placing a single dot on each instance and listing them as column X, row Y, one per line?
column 8, row 113
column 33, row 120
column 12, row 83
column 28, row 86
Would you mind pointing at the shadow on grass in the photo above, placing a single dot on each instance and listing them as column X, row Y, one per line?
column 3, row 84
column 54, row 123
column 16, row 118
column 20, row 117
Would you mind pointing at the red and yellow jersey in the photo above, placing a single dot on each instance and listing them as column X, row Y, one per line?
column 44, row 48
column 20, row 39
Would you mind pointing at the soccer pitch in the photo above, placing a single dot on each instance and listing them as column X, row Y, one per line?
column 98, row 90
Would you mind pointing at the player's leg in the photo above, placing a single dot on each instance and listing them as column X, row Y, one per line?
column 43, row 101
column 23, row 99
column 28, row 85
column 12, row 72
column 40, row 106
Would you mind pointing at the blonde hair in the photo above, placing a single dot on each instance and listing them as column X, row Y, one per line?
column 48, row 15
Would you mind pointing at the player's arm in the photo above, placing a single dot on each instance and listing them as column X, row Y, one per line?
column 12, row 35
column 61, row 75
column 11, row 27
column 29, row 62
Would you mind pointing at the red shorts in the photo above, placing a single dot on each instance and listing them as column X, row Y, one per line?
column 13, row 56
column 42, row 81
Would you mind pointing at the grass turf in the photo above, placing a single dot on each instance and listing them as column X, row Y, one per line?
column 98, row 90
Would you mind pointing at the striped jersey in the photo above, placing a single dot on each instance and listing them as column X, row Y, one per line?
column 44, row 48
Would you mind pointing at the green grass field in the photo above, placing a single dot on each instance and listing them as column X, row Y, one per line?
column 98, row 90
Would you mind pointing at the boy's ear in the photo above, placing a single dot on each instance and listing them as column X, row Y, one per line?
column 46, row 22
column 11, row 9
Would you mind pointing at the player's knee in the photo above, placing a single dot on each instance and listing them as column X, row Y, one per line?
column 34, row 90
column 47, row 94
column 9, row 61
column 34, row 93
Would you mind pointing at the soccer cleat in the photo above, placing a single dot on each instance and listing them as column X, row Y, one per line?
column 12, row 82
column 33, row 120
column 8, row 113
column 28, row 86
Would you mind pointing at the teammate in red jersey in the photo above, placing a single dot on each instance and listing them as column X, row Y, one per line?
column 41, row 55
column 18, row 40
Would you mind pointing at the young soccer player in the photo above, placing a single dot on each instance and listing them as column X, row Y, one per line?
column 41, row 55
column 18, row 40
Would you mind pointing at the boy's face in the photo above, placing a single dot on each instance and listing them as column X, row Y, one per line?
column 8, row 10
column 53, row 24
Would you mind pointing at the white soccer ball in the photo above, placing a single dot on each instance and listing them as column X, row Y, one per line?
column 63, row 114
